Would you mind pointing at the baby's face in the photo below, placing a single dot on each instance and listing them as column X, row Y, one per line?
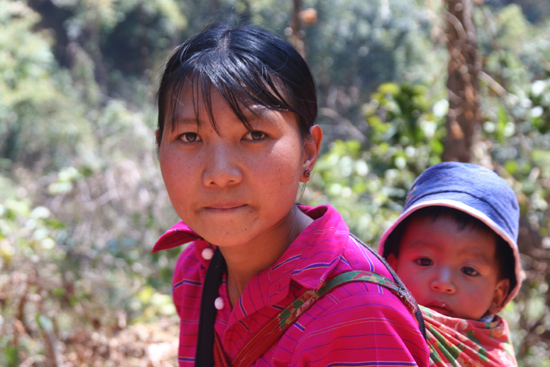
column 450, row 270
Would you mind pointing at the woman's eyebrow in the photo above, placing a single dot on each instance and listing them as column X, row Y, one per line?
column 258, row 109
column 258, row 112
column 185, row 121
column 188, row 116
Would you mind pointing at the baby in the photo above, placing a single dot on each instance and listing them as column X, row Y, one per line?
column 454, row 246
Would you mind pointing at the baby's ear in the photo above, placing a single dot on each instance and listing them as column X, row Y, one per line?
column 501, row 291
column 392, row 260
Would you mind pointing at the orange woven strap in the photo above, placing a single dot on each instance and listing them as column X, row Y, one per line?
column 220, row 359
column 273, row 330
column 268, row 334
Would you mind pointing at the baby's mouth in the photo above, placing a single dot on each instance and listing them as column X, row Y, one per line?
column 441, row 307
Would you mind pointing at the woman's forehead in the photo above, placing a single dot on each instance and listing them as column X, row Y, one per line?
column 197, row 105
column 196, row 96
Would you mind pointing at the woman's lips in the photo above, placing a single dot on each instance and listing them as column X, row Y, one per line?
column 224, row 206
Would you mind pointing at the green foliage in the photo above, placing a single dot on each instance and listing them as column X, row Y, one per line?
column 69, row 267
column 33, row 93
column 536, row 11
column 521, row 153
column 55, row 287
column 27, row 243
column 403, row 140
column 521, row 134
column 510, row 46
column 370, row 44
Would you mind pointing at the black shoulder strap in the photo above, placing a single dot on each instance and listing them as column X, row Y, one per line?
column 417, row 312
column 204, row 356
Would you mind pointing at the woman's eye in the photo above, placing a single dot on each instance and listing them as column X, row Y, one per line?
column 189, row 137
column 423, row 261
column 255, row 135
column 470, row 271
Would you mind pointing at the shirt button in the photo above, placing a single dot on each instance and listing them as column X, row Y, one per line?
column 218, row 303
column 207, row 253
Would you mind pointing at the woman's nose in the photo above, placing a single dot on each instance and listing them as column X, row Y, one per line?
column 222, row 167
column 442, row 282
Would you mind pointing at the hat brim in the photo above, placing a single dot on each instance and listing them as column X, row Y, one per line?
column 474, row 213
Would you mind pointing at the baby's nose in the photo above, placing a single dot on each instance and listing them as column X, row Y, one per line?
column 443, row 283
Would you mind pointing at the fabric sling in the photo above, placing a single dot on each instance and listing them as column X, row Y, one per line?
column 460, row 342
column 209, row 347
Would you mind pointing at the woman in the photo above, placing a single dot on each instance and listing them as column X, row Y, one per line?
column 236, row 136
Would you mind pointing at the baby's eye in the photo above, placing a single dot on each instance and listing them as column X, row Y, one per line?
column 255, row 135
column 423, row 261
column 189, row 137
column 470, row 271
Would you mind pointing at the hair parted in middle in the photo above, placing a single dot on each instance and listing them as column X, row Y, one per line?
column 247, row 66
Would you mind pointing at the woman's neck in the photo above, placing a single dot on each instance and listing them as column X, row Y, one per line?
column 244, row 262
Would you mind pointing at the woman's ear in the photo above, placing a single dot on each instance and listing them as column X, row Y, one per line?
column 312, row 146
column 500, row 293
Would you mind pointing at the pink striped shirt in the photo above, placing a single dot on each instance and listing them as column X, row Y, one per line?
column 356, row 324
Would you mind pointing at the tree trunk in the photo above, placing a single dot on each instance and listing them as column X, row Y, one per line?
column 464, row 66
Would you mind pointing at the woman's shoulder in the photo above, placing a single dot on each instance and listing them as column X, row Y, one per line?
column 368, row 296
column 360, row 256
column 355, row 316
column 365, row 297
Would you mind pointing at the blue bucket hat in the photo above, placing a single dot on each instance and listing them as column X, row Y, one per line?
column 474, row 190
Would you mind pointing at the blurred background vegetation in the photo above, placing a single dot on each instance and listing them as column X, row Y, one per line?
column 82, row 200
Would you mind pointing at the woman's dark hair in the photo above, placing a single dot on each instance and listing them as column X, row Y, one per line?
column 504, row 253
column 247, row 65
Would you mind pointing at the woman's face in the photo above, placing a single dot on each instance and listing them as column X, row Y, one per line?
column 234, row 186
